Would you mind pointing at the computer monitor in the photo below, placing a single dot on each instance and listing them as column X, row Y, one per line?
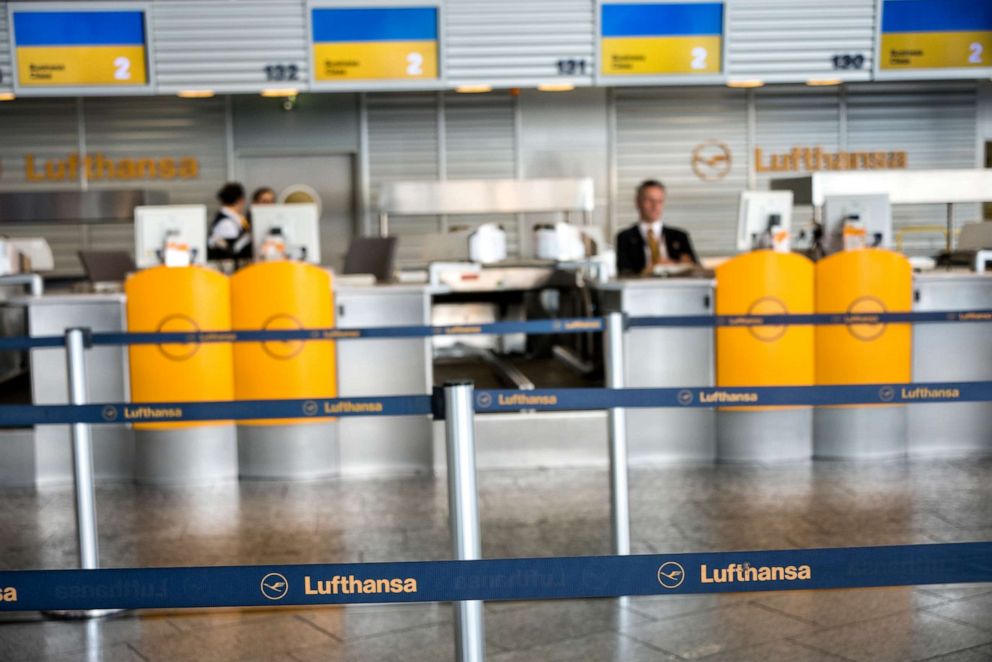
column 872, row 210
column 296, row 222
column 181, row 223
column 371, row 255
column 757, row 212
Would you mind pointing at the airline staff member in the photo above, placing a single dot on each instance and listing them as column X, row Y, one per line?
column 650, row 243
column 230, row 233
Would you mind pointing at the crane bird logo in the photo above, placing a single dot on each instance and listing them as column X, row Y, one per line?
column 671, row 574
column 274, row 586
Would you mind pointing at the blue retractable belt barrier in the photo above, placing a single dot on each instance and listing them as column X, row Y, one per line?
column 498, row 579
column 499, row 400
column 763, row 396
column 169, row 412
column 533, row 327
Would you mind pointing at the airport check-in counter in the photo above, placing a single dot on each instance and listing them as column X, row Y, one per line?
column 387, row 366
column 46, row 456
column 666, row 357
column 945, row 352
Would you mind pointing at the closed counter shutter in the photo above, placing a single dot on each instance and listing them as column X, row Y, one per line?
column 162, row 127
column 403, row 145
column 793, row 117
column 519, row 42
column 790, row 41
column 936, row 125
column 479, row 143
column 44, row 129
column 226, row 46
column 657, row 133
column 6, row 61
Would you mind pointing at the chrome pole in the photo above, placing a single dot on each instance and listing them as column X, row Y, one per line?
column 617, row 422
column 463, row 512
column 82, row 452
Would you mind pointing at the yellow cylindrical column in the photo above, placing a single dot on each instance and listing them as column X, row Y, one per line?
column 764, row 283
column 862, row 282
column 168, row 300
column 279, row 296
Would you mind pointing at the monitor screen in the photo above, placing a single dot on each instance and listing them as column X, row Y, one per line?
column 297, row 223
column 758, row 211
column 154, row 225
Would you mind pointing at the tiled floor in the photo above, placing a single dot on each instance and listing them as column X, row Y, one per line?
column 527, row 513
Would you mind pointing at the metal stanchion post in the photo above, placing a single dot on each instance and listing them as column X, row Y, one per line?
column 619, row 491
column 82, row 452
column 76, row 341
column 463, row 511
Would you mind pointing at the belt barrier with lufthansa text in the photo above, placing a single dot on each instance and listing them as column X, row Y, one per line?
column 496, row 579
column 532, row 327
column 500, row 400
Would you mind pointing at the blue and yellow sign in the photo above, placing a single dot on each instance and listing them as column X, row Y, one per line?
column 661, row 39
column 935, row 34
column 375, row 43
column 80, row 48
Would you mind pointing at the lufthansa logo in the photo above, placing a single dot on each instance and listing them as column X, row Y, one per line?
column 109, row 413
column 671, row 574
column 685, row 397
column 484, row 400
column 711, row 160
column 886, row 393
column 274, row 586
column 310, row 408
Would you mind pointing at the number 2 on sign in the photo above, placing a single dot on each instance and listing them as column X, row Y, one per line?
column 975, row 56
column 122, row 68
column 699, row 57
column 414, row 64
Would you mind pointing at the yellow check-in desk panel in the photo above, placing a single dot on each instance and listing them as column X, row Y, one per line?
column 764, row 283
column 273, row 296
column 863, row 282
column 179, row 299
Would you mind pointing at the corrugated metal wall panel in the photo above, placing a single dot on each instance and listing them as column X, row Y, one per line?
column 794, row 117
column 479, row 143
column 936, row 125
column 46, row 129
column 517, row 42
column 789, row 41
column 657, row 131
column 225, row 46
column 6, row 61
column 156, row 127
column 403, row 145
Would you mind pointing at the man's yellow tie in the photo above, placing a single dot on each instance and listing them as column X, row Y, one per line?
column 655, row 247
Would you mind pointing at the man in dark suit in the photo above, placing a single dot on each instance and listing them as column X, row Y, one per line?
column 649, row 243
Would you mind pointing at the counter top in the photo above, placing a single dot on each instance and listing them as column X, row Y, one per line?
column 62, row 299
column 654, row 283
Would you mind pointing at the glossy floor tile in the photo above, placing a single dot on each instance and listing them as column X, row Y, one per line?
column 526, row 513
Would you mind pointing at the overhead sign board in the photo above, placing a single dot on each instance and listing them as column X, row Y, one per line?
column 661, row 39
column 63, row 48
column 351, row 44
column 935, row 35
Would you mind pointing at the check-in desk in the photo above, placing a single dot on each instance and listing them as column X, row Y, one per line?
column 46, row 456
column 388, row 366
column 666, row 357
column 950, row 352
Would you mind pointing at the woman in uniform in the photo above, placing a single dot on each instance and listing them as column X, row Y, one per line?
column 230, row 233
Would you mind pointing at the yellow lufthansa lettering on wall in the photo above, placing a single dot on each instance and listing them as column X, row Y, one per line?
column 812, row 159
column 39, row 66
column 99, row 167
column 375, row 60
column 936, row 50
column 694, row 54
